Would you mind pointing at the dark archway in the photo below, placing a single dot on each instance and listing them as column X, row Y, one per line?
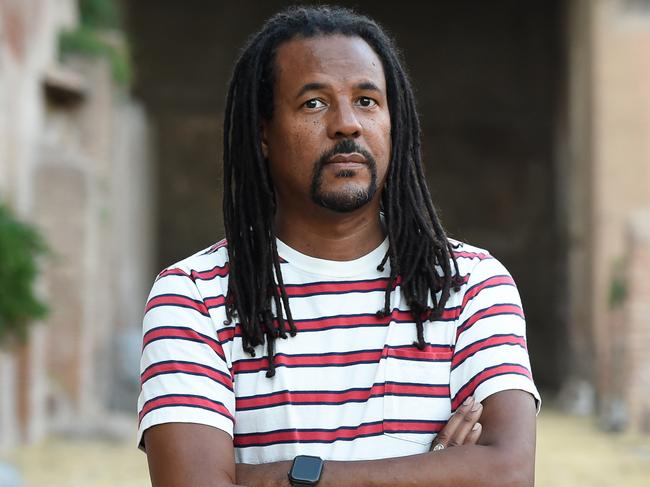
column 489, row 78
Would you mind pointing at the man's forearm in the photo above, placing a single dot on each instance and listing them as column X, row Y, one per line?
column 470, row 465
column 505, row 457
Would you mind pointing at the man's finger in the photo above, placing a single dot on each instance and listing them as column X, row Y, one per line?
column 459, row 425
column 474, row 435
column 469, row 416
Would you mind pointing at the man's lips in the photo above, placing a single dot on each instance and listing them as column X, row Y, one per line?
column 353, row 159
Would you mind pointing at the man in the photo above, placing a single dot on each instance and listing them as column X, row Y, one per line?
column 332, row 337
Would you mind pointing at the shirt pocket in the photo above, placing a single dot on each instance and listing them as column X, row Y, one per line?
column 417, row 401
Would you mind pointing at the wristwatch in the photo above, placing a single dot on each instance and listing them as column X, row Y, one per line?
column 305, row 470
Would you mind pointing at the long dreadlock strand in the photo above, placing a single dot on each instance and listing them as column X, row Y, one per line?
column 283, row 291
column 420, row 256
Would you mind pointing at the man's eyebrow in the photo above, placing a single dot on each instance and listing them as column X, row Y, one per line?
column 367, row 85
column 310, row 87
column 363, row 85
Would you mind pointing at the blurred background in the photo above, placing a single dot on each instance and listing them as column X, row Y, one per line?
column 536, row 137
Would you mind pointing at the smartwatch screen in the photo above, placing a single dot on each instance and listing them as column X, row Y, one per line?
column 306, row 469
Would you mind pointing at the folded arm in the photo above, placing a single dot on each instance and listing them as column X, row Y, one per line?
column 186, row 454
column 504, row 456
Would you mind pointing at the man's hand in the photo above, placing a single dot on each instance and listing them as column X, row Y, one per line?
column 462, row 428
column 184, row 454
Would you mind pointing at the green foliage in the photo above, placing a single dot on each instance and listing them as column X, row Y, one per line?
column 88, row 42
column 89, row 39
column 20, row 246
column 99, row 14
column 618, row 285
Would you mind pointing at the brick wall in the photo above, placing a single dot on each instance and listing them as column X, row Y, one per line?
column 78, row 167
column 620, row 95
column 28, row 40
column 637, row 318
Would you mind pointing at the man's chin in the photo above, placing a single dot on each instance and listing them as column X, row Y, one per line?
column 343, row 202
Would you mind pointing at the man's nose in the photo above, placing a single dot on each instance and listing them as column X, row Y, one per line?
column 344, row 122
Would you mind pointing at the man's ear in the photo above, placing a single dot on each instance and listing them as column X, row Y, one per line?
column 264, row 131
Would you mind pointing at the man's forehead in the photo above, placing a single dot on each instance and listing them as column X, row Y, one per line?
column 337, row 57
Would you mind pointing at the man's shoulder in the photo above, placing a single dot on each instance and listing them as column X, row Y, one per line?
column 205, row 264
column 476, row 264
column 463, row 250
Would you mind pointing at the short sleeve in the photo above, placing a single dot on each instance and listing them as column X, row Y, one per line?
column 185, row 376
column 490, row 354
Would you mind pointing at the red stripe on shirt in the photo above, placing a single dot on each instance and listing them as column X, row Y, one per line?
column 344, row 433
column 281, row 398
column 371, row 319
column 470, row 387
column 406, row 352
column 416, row 390
column 308, row 435
column 472, row 255
column 489, row 342
column 176, row 300
column 172, row 367
column 413, row 426
column 337, row 287
column 218, row 271
column 494, row 310
column 353, row 321
column 181, row 332
column 350, row 321
column 429, row 353
column 227, row 334
column 220, row 244
column 309, row 360
column 175, row 400
column 215, row 301
column 308, row 397
column 490, row 282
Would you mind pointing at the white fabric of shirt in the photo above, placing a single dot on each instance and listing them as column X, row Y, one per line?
column 349, row 385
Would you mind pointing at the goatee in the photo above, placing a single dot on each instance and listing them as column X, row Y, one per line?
column 343, row 201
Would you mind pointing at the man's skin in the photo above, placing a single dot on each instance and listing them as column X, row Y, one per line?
column 330, row 88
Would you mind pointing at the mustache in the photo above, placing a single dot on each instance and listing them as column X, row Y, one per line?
column 345, row 146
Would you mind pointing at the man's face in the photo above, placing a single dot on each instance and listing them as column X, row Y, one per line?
column 328, row 141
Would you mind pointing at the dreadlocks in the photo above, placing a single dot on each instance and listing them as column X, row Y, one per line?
column 419, row 252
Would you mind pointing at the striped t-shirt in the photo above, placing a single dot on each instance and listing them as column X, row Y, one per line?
column 350, row 385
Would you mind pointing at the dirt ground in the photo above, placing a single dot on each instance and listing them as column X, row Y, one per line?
column 570, row 452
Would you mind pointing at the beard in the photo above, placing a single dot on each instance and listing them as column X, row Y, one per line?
column 347, row 199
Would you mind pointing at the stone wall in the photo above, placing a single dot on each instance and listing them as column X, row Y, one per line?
column 606, row 152
column 74, row 160
column 28, row 36
column 620, row 187
column 636, row 350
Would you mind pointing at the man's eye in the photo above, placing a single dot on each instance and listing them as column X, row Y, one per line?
column 366, row 102
column 314, row 103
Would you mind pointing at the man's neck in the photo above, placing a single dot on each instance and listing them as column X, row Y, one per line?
column 332, row 236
